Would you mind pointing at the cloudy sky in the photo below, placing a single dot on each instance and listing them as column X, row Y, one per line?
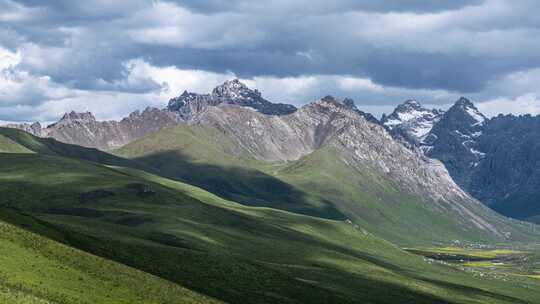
column 112, row 57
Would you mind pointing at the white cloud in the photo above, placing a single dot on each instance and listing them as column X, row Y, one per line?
column 287, row 89
column 40, row 58
column 11, row 11
column 8, row 59
column 168, row 24
column 24, row 97
column 176, row 80
column 18, row 87
column 355, row 84
column 525, row 104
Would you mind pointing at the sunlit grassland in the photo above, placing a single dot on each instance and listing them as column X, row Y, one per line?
column 37, row 270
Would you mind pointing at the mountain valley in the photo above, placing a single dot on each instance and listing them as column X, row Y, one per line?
column 196, row 196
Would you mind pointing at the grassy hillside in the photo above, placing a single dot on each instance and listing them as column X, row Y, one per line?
column 320, row 184
column 223, row 249
column 9, row 146
column 17, row 141
column 203, row 157
column 37, row 270
column 380, row 206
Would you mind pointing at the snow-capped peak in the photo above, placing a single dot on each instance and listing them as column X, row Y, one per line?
column 412, row 120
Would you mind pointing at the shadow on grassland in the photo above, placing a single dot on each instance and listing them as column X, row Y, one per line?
column 243, row 185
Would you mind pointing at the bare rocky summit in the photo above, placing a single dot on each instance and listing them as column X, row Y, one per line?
column 231, row 92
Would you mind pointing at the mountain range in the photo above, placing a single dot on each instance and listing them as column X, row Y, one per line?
column 235, row 198
column 462, row 138
column 495, row 160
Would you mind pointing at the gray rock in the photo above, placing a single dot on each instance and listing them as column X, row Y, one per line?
column 361, row 144
column 508, row 177
column 84, row 130
column 411, row 122
column 453, row 140
column 496, row 160
column 231, row 92
column 34, row 128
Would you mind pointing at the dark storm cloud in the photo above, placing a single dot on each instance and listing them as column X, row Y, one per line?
column 457, row 46
column 212, row 6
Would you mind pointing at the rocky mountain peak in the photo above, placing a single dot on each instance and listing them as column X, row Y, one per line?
column 464, row 109
column 411, row 121
column 409, row 105
column 410, row 110
column 36, row 125
column 230, row 92
column 454, row 139
column 349, row 102
column 187, row 94
column 235, row 89
column 464, row 102
column 330, row 103
column 75, row 118
column 329, row 99
column 78, row 116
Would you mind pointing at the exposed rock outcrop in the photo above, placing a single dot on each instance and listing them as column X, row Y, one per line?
column 231, row 92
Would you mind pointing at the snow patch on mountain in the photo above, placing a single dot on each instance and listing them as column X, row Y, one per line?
column 411, row 121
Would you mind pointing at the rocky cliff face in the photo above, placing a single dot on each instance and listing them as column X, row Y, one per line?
column 508, row 176
column 454, row 140
column 83, row 129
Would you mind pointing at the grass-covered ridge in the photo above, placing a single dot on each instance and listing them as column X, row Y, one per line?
column 17, row 141
column 7, row 145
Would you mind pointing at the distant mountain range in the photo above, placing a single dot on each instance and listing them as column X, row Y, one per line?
column 492, row 159
column 496, row 160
